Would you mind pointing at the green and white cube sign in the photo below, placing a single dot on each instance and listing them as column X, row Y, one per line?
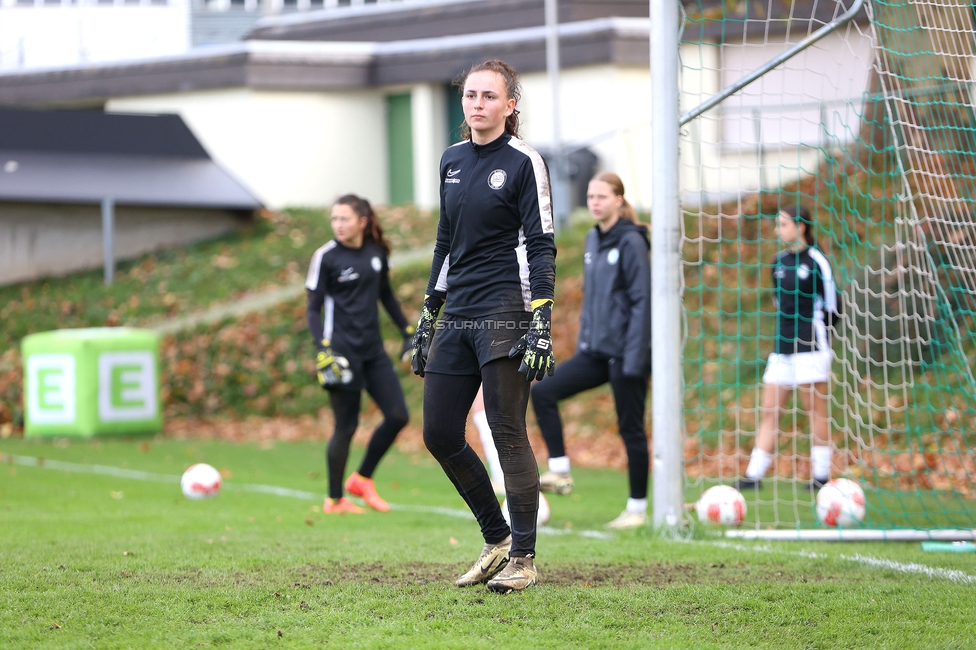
column 88, row 382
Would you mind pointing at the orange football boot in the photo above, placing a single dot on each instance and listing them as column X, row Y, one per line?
column 364, row 488
column 340, row 506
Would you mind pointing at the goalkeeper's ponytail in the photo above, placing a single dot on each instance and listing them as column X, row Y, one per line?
column 373, row 231
column 626, row 210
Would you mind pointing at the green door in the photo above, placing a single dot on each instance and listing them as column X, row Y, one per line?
column 455, row 115
column 399, row 129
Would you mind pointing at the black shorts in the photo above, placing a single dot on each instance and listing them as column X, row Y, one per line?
column 462, row 346
column 374, row 361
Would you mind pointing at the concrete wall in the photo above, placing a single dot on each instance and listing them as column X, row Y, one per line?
column 428, row 112
column 775, row 129
column 607, row 109
column 289, row 148
column 39, row 240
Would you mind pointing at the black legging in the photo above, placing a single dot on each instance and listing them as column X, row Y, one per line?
column 582, row 372
column 383, row 386
column 447, row 399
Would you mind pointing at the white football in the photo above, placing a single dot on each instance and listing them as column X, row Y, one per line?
column 841, row 503
column 200, row 481
column 541, row 519
column 721, row 505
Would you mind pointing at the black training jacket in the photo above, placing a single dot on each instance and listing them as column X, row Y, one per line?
column 616, row 317
column 495, row 251
column 806, row 299
column 343, row 286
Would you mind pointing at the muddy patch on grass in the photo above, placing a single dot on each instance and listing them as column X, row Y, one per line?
column 552, row 574
column 556, row 574
column 599, row 575
column 338, row 574
column 377, row 573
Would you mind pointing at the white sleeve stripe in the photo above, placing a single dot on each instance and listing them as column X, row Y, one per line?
column 822, row 262
column 830, row 290
column 441, row 284
column 523, row 262
column 315, row 266
column 328, row 319
column 541, row 182
column 820, row 332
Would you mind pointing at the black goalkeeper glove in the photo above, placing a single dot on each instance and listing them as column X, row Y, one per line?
column 332, row 370
column 425, row 333
column 406, row 352
column 536, row 345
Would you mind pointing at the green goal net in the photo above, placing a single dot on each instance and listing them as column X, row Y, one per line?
column 872, row 129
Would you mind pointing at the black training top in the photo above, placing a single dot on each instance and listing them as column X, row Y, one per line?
column 805, row 297
column 615, row 320
column 345, row 284
column 495, row 251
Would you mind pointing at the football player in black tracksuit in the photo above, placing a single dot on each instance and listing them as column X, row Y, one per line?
column 614, row 343
column 806, row 303
column 346, row 278
column 494, row 262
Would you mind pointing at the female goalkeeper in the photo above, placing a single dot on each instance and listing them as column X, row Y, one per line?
column 806, row 304
column 494, row 263
column 614, row 342
column 346, row 278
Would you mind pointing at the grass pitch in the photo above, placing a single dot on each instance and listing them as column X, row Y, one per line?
column 120, row 559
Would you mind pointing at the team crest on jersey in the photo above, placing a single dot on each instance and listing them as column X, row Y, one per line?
column 376, row 264
column 496, row 179
column 803, row 272
column 613, row 256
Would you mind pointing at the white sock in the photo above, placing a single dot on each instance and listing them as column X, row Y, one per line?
column 560, row 464
column 488, row 442
column 759, row 462
column 637, row 505
column 821, row 462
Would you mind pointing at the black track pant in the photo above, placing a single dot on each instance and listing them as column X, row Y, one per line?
column 383, row 385
column 447, row 399
column 585, row 371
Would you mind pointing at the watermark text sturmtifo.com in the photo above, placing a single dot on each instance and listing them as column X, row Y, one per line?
column 485, row 324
